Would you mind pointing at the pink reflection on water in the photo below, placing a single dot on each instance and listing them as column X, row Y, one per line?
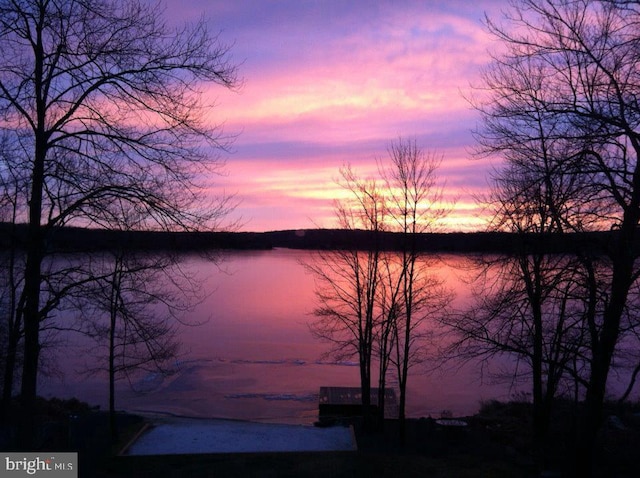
column 254, row 357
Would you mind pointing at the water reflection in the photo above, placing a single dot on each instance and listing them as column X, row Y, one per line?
column 254, row 357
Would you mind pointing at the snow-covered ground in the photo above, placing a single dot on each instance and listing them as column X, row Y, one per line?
column 185, row 435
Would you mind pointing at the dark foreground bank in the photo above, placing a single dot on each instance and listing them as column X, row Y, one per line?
column 494, row 443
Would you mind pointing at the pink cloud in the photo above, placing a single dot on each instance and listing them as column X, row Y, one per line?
column 328, row 83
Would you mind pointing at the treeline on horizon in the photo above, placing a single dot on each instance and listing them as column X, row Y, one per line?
column 74, row 239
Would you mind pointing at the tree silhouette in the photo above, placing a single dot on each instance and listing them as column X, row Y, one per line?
column 415, row 206
column 348, row 281
column 132, row 311
column 572, row 66
column 373, row 300
column 102, row 98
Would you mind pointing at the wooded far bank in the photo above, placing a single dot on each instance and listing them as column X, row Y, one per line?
column 71, row 239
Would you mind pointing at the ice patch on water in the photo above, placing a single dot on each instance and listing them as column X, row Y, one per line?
column 293, row 397
column 150, row 382
column 268, row 362
column 341, row 363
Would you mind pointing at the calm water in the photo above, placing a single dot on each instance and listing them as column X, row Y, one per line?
column 254, row 357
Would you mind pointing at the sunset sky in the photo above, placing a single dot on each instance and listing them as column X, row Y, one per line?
column 333, row 82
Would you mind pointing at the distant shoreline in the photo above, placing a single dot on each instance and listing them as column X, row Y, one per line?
column 72, row 239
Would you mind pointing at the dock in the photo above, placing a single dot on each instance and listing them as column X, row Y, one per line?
column 338, row 402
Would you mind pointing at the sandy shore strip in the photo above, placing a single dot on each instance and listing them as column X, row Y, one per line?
column 170, row 436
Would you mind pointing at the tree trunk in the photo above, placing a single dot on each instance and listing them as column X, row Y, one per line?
column 404, row 373
column 600, row 365
column 603, row 351
column 35, row 252
column 384, row 366
column 113, row 426
column 402, row 405
column 365, row 390
column 31, row 313
column 31, row 339
column 539, row 415
column 382, row 384
column 113, row 314
column 9, row 370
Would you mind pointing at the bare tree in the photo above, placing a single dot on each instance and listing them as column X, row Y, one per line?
column 103, row 97
column 415, row 202
column 541, row 300
column 133, row 307
column 132, row 311
column 348, row 280
column 374, row 300
column 582, row 57
column 532, row 308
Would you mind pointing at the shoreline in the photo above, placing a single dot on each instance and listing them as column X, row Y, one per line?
column 496, row 442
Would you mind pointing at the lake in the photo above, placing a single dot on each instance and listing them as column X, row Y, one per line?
column 254, row 357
